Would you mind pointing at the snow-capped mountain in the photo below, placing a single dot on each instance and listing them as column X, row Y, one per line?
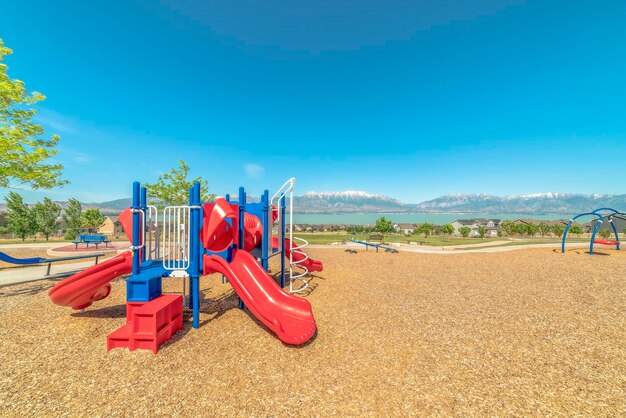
column 363, row 202
column 349, row 201
column 537, row 203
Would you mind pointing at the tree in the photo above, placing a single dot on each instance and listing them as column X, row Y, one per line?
column 173, row 188
column 482, row 231
column 576, row 230
column 558, row 230
column 19, row 217
column 465, row 231
column 604, row 233
column 25, row 152
column 425, row 229
column 46, row 214
column 93, row 219
column 520, row 229
column 383, row 225
column 73, row 217
column 532, row 229
column 508, row 227
column 543, row 229
column 447, row 229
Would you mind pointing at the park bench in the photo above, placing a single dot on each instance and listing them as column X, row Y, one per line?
column 375, row 238
column 92, row 239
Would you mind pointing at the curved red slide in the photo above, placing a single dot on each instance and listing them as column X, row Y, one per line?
column 82, row 289
column 290, row 317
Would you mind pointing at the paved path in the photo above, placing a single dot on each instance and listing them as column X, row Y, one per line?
column 456, row 249
column 14, row 275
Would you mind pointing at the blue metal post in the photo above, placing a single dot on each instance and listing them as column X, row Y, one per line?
column 593, row 235
column 191, row 281
column 265, row 244
column 565, row 235
column 136, row 227
column 242, row 208
column 143, row 202
column 194, row 253
column 281, row 241
column 240, row 245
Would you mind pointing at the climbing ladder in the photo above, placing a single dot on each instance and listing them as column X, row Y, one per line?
column 175, row 244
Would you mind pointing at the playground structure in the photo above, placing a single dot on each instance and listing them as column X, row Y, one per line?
column 599, row 215
column 42, row 260
column 235, row 239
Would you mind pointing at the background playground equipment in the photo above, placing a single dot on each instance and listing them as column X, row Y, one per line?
column 40, row 260
column 599, row 215
column 234, row 239
column 375, row 245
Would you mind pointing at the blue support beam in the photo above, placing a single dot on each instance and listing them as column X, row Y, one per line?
column 136, row 206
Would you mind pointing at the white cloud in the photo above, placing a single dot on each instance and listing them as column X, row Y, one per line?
column 254, row 171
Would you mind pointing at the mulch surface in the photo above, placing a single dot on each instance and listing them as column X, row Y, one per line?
column 528, row 332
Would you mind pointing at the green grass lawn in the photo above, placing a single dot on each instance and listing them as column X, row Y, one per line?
column 436, row 241
column 330, row 237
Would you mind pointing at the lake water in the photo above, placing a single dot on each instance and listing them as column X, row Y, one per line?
column 435, row 218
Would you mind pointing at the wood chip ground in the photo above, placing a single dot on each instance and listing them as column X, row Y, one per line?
column 528, row 332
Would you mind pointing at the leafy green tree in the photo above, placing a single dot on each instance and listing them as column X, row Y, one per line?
column 73, row 217
column 93, row 219
column 604, row 233
column 576, row 230
column 543, row 229
column 447, row 229
column 558, row 230
column 425, row 229
column 482, row 231
column 519, row 229
column 173, row 188
column 25, row 152
column 4, row 230
column 46, row 214
column 465, row 231
column 19, row 217
column 508, row 227
column 383, row 225
column 532, row 229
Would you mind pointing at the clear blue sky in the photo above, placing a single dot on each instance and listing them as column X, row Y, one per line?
column 413, row 99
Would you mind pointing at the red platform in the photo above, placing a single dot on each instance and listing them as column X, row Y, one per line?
column 148, row 324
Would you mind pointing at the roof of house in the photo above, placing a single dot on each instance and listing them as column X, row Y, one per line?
column 406, row 226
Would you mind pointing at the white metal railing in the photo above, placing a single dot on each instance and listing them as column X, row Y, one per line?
column 176, row 237
column 152, row 250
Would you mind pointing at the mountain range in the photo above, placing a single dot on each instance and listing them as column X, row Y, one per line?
column 363, row 202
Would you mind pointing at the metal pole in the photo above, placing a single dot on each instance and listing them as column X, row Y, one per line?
column 240, row 227
column 281, row 240
column 194, row 252
column 136, row 226
column 191, row 302
column 143, row 202
column 266, row 231
column 593, row 235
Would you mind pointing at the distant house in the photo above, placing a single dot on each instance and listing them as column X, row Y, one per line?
column 405, row 228
column 618, row 220
column 107, row 227
column 491, row 225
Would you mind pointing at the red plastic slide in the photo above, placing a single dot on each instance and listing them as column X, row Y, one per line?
column 290, row 317
column 299, row 255
column 82, row 289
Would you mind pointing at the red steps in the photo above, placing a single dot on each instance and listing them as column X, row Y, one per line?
column 148, row 324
